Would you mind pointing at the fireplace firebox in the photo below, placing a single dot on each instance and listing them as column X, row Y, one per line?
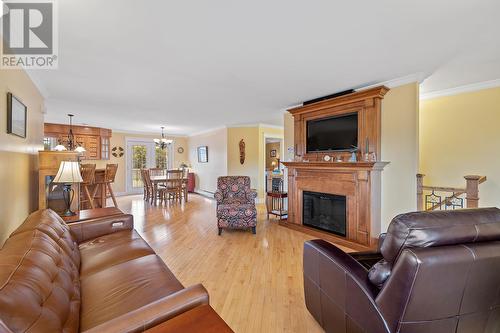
column 325, row 212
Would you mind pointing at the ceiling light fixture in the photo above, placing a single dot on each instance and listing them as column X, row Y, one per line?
column 69, row 142
column 163, row 142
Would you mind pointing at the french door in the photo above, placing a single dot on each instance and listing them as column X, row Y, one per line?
column 143, row 154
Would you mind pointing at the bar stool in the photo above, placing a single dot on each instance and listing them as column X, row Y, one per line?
column 109, row 178
column 88, row 176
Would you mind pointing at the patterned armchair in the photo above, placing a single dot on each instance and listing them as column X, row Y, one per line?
column 235, row 203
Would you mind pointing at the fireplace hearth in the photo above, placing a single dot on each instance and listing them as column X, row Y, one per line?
column 325, row 212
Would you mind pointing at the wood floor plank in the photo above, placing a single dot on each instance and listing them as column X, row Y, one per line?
column 255, row 282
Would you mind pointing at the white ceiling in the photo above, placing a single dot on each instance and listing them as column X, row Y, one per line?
column 136, row 65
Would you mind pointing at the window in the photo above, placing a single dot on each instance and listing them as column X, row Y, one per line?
column 161, row 158
column 49, row 143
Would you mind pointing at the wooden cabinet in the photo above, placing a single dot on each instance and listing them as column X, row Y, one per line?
column 95, row 140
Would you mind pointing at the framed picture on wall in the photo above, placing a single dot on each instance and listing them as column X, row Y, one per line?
column 273, row 153
column 203, row 154
column 16, row 116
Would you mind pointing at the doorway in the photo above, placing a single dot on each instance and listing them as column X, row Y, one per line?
column 273, row 159
column 143, row 154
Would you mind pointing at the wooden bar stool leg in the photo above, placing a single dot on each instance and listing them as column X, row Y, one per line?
column 112, row 194
column 87, row 194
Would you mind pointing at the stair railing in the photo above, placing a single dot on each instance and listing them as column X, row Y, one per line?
column 437, row 197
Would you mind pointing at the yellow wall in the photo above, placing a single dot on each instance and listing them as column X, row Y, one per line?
column 251, row 166
column 460, row 135
column 118, row 140
column 400, row 148
column 18, row 156
column 207, row 173
column 224, row 155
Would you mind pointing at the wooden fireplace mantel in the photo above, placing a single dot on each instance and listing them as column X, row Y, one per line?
column 359, row 182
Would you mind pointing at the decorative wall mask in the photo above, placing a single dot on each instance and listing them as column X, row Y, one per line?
column 117, row 151
column 242, row 151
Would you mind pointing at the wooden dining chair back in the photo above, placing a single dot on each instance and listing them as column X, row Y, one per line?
column 157, row 172
column 146, row 180
column 88, row 177
column 174, row 185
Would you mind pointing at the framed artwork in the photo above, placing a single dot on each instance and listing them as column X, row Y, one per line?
column 273, row 153
column 203, row 154
column 16, row 116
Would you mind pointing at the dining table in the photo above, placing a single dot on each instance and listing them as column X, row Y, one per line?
column 157, row 180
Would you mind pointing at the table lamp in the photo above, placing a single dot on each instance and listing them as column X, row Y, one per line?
column 68, row 173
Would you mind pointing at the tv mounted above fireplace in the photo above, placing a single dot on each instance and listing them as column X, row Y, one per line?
column 338, row 133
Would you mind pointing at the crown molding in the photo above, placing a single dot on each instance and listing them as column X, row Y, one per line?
column 206, row 131
column 461, row 89
column 400, row 81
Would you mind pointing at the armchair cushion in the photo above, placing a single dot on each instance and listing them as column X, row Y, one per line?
column 235, row 202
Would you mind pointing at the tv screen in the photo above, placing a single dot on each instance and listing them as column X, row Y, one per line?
column 332, row 134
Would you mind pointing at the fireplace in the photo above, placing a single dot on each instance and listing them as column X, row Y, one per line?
column 325, row 212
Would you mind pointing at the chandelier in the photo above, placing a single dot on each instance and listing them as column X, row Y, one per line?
column 163, row 142
column 69, row 142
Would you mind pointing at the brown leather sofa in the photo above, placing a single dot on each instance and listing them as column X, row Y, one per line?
column 92, row 276
column 435, row 272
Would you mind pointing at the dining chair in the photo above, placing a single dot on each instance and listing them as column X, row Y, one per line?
column 88, row 176
column 147, row 189
column 157, row 172
column 160, row 189
column 173, row 189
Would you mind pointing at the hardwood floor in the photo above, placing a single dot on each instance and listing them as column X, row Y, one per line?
column 254, row 281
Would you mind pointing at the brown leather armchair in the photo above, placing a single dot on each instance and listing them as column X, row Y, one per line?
column 434, row 272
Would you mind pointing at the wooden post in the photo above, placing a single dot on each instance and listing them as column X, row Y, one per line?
column 472, row 190
column 420, row 191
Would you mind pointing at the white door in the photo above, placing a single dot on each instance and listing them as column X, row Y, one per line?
column 143, row 154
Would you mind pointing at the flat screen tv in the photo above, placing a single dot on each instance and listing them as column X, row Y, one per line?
column 332, row 134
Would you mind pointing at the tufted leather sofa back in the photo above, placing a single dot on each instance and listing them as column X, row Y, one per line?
column 39, row 268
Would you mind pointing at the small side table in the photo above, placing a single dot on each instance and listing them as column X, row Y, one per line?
column 276, row 203
column 89, row 214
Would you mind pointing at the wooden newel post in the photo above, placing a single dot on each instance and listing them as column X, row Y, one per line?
column 472, row 190
column 420, row 191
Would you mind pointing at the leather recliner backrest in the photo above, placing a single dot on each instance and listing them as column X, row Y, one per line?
column 434, row 228
column 452, row 288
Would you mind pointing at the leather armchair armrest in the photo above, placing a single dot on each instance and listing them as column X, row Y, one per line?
column 381, row 240
column 90, row 229
column 155, row 313
column 337, row 290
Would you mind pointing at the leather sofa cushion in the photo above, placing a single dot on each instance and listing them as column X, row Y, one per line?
column 438, row 228
column 112, row 249
column 39, row 285
column 124, row 287
column 48, row 222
